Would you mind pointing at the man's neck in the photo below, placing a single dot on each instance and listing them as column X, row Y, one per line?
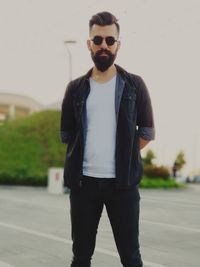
column 102, row 77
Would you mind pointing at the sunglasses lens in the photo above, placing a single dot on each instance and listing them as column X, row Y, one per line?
column 97, row 40
column 110, row 40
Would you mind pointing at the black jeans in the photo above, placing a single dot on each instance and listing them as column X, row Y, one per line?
column 122, row 207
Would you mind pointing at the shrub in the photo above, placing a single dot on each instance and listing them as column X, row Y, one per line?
column 28, row 147
column 156, row 171
column 159, row 183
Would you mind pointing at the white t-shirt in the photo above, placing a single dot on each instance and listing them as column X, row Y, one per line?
column 99, row 152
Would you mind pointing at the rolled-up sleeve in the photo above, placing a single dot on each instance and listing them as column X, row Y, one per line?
column 145, row 120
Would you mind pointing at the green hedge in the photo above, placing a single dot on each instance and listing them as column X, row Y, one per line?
column 154, row 171
column 157, row 182
column 28, row 147
column 21, row 180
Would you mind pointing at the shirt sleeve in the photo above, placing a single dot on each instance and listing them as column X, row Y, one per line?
column 145, row 120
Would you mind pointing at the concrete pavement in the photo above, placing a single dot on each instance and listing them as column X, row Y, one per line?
column 35, row 229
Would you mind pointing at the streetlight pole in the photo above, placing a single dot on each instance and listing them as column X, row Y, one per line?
column 67, row 42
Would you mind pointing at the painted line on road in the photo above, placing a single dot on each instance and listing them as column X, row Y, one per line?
column 4, row 264
column 32, row 203
column 143, row 199
column 66, row 241
column 171, row 201
column 34, row 232
column 178, row 227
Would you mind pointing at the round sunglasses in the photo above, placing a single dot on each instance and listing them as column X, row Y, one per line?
column 110, row 40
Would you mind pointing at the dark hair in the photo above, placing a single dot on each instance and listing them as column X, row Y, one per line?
column 103, row 19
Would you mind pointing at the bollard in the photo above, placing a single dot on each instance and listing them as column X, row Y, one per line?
column 55, row 181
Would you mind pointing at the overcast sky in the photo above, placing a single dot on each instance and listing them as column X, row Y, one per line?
column 160, row 42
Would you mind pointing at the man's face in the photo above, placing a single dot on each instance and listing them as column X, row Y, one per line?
column 103, row 45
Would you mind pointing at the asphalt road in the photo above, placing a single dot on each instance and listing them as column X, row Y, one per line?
column 35, row 229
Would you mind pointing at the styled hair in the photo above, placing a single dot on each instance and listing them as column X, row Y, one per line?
column 103, row 19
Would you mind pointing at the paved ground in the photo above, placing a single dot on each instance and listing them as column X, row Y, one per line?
column 35, row 229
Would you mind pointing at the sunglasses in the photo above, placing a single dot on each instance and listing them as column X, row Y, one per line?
column 98, row 40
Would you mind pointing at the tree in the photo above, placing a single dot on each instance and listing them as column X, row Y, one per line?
column 179, row 162
column 148, row 159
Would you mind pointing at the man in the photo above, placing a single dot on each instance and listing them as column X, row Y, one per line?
column 106, row 119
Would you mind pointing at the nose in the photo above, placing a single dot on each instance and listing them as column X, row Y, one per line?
column 103, row 44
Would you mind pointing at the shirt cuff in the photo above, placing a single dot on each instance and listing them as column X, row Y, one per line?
column 147, row 133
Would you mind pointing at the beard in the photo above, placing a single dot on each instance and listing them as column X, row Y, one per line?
column 102, row 63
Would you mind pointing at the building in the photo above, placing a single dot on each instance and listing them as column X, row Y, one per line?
column 14, row 106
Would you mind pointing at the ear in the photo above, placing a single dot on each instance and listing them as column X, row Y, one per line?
column 89, row 45
column 118, row 45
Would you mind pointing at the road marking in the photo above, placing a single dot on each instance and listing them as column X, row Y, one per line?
column 114, row 254
column 171, row 201
column 178, row 227
column 66, row 241
column 147, row 199
column 4, row 264
column 34, row 232
column 32, row 203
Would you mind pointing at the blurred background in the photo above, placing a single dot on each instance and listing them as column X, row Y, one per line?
column 43, row 47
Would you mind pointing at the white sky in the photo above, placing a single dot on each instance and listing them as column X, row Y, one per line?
column 160, row 41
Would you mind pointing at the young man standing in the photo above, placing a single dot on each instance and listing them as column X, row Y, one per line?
column 106, row 119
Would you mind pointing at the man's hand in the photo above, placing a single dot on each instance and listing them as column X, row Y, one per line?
column 143, row 142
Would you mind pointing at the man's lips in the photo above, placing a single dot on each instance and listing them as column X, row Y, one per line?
column 103, row 54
